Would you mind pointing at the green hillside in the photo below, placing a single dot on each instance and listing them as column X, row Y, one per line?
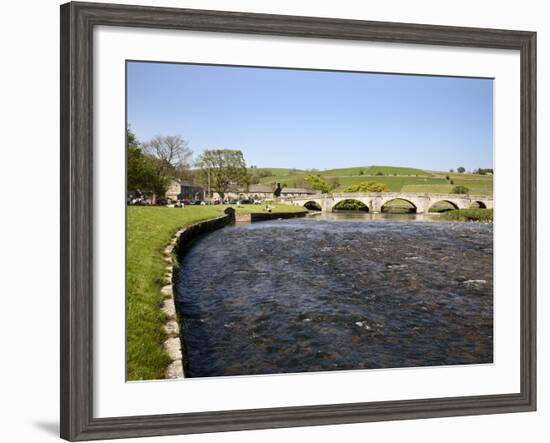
column 397, row 179
column 373, row 170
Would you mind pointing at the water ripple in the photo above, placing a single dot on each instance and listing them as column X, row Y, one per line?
column 314, row 295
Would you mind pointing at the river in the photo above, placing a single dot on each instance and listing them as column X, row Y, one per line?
column 337, row 291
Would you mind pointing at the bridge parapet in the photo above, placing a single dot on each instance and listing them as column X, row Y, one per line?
column 375, row 201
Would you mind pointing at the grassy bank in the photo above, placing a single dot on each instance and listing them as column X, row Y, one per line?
column 275, row 207
column 149, row 231
column 480, row 215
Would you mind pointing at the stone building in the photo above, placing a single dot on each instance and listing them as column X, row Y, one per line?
column 260, row 192
column 297, row 192
column 184, row 190
column 173, row 190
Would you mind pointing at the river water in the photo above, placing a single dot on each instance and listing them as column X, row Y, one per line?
column 337, row 291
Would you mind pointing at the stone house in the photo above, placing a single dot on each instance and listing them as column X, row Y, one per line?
column 297, row 192
column 184, row 190
column 173, row 190
column 262, row 192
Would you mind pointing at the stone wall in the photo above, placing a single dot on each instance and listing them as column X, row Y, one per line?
column 173, row 253
column 174, row 344
column 262, row 216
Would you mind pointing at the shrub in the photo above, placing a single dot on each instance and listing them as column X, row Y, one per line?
column 351, row 205
column 460, row 190
column 481, row 215
column 366, row 187
column 318, row 183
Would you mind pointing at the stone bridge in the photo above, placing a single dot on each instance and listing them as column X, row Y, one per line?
column 422, row 202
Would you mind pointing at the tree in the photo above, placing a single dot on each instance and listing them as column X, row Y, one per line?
column 460, row 190
column 318, row 183
column 222, row 169
column 171, row 149
column 366, row 187
column 142, row 170
column 172, row 152
column 461, row 169
column 484, row 171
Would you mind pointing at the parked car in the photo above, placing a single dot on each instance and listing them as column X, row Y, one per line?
column 139, row 202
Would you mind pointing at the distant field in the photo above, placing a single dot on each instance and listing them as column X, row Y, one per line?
column 397, row 179
column 394, row 184
column 373, row 170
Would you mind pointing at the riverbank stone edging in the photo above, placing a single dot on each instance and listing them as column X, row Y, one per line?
column 182, row 239
column 262, row 216
column 173, row 345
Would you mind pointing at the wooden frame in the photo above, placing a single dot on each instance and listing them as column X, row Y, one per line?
column 77, row 23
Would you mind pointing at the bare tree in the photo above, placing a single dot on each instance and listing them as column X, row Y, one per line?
column 172, row 150
column 172, row 154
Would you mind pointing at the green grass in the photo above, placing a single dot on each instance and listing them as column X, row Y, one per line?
column 398, row 206
column 149, row 232
column 360, row 173
column 433, row 188
column 481, row 215
column 477, row 184
column 442, row 206
column 394, row 184
column 373, row 170
column 407, row 179
column 277, row 171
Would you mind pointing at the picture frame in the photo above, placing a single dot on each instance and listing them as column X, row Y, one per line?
column 77, row 217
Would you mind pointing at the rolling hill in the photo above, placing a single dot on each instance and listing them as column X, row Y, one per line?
column 397, row 179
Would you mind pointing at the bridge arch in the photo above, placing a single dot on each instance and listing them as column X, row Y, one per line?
column 443, row 206
column 399, row 205
column 478, row 204
column 312, row 205
column 351, row 204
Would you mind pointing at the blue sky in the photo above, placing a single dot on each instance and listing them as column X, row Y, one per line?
column 314, row 119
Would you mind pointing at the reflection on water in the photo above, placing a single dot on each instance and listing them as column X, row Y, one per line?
column 337, row 291
column 360, row 215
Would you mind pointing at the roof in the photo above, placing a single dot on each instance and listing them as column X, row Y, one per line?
column 298, row 191
column 189, row 184
column 269, row 189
